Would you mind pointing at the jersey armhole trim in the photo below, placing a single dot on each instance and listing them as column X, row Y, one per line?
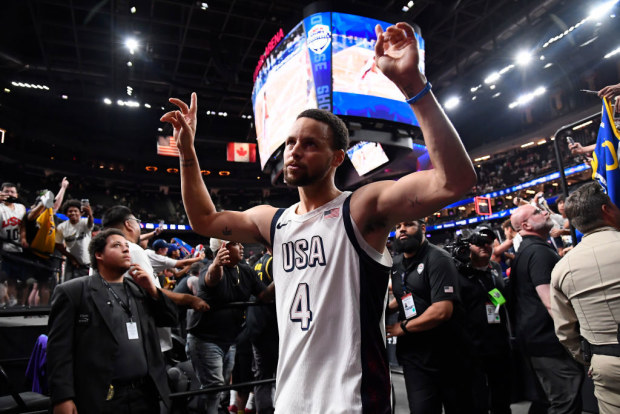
column 274, row 220
column 351, row 234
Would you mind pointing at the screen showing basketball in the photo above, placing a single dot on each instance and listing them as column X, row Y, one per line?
column 366, row 156
column 327, row 62
column 283, row 88
column 360, row 89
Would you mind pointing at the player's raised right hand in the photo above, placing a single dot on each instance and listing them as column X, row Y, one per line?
column 184, row 123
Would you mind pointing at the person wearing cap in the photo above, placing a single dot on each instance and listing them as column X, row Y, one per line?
column 160, row 261
column 482, row 293
column 429, row 345
column 212, row 335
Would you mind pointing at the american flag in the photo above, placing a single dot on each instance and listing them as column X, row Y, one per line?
column 167, row 146
column 332, row 213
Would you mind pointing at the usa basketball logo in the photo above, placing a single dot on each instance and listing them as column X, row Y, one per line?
column 319, row 38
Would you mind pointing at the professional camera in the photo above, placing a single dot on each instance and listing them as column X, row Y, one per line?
column 459, row 250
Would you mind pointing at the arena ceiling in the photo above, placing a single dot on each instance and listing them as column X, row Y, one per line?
column 77, row 49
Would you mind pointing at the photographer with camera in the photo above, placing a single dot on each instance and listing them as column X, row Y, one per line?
column 482, row 290
column 429, row 345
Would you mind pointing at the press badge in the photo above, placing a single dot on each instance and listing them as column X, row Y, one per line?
column 492, row 313
column 132, row 330
column 408, row 306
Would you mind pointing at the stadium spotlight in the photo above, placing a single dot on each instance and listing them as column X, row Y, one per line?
column 452, row 102
column 107, row 101
column 597, row 12
column 131, row 44
column 523, row 58
column 492, row 78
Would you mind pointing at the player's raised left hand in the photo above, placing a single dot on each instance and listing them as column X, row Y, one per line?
column 397, row 55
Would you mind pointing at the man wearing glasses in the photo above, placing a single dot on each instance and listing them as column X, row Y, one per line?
column 121, row 217
column 559, row 374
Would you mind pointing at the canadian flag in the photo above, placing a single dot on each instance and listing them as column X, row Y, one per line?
column 241, row 152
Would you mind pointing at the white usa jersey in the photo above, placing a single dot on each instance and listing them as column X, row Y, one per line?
column 331, row 292
column 11, row 221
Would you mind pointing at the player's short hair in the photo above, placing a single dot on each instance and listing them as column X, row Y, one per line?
column 70, row 203
column 97, row 244
column 7, row 184
column 115, row 216
column 340, row 133
column 584, row 207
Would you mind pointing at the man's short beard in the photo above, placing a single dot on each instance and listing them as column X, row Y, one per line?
column 410, row 244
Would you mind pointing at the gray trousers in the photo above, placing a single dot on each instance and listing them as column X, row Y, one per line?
column 561, row 379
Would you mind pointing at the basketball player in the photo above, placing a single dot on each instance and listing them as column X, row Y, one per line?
column 330, row 263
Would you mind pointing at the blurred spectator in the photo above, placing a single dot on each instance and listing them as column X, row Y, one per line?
column 211, row 338
column 13, row 237
column 559, row 374
column 610, row 91
column 584, row 292
column 73, row 237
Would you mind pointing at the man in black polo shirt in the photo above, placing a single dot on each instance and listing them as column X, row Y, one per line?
column 211, row 337
column 559, row 374
column 429, row 347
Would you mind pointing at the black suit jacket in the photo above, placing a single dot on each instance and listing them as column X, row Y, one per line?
column 81, row 343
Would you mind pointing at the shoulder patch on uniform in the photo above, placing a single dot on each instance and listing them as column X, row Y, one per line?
column 448, row 289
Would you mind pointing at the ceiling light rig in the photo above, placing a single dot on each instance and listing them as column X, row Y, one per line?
column 525, row 57
column 30, row 85
column 527, row 97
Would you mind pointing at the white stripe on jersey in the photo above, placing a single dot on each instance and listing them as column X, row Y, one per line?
column 318, row 275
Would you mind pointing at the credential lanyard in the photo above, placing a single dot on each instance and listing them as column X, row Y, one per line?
column 125, row 306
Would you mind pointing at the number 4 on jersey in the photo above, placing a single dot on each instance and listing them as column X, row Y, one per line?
column 300, row 309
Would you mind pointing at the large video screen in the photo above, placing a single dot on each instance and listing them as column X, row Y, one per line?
column 283, row 88
column 366, row 156
column 325, row 62
column 360, row 89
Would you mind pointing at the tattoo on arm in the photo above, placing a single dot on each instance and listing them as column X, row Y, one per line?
column 226, row 231
column 413, row 202
column 188, row 163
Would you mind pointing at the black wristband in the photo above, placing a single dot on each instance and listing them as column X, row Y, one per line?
column 403, row 326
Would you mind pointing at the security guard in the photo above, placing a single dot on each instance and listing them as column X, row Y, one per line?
column 482, row 293
column 585, row 302
column 429, row 347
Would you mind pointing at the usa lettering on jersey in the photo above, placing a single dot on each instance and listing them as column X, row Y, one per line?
column 301, row 254
column 12, row 221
